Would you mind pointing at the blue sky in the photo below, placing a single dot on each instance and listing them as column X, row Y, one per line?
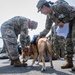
column 27, row 8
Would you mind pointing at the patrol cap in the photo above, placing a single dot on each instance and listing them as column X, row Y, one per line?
column 33, row 25
column 40, row 4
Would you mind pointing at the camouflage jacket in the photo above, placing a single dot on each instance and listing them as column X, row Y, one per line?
column 62, row 12
column 19, row 25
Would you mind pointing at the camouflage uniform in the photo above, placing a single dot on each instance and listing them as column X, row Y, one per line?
column 27, row 40
column 59, row 46
column 58, row 42
column 62, row 12
column 10, row 31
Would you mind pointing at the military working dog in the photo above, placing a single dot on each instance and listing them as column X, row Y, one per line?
column 42, row 46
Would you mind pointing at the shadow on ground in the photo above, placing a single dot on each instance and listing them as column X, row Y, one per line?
column 10, row 70
column 5, row 68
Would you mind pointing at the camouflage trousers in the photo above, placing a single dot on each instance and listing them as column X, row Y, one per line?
column 70, row 41
column 59, row 46
column 10, row 42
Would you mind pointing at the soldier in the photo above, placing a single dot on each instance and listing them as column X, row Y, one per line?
column 56, row 42
column 60, row 12
column 10, row 31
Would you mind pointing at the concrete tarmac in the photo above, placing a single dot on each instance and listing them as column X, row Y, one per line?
column 6, row 69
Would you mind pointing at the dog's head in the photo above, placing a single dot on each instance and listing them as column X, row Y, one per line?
column 26, row 53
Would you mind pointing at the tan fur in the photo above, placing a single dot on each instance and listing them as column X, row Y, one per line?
column 43, row 44
column 26, row 54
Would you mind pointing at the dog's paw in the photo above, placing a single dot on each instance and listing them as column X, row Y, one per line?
column 43, row 69
column 37, row 63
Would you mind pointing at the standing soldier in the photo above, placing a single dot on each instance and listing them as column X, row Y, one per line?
column 10, row 31
column 58, row 42
column 60, row 12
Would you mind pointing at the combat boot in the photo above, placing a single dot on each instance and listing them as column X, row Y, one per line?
column 73, row 68
column 11, row 62
column 69, row 63
column 18, row 63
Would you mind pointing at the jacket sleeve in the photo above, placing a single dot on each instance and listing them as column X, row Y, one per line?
column 24, row 31
column 23, row 35
column 48, row 25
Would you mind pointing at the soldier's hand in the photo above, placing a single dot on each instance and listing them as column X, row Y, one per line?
column 61, row 24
